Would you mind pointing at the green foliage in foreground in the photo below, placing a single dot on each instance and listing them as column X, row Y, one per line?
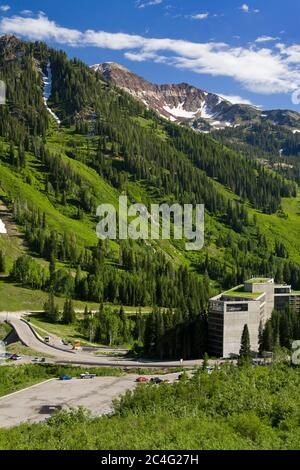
column 13, row 378
column 245, row 408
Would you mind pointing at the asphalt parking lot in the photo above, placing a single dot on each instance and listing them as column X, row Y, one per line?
column 37, row 403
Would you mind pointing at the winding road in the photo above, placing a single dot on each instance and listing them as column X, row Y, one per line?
column 63, row 354
column 40, row 401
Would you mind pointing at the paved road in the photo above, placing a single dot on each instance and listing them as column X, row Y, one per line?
column 37, row 403
column 27, row 337
column 57, row 342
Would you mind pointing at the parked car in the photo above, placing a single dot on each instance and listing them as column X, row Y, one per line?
column 142, row 380
column 87, row 376
column 156, row 380
column 47, row 339
column 65, row 377
column 5, row 355
column 39, row 359
column 15, row 357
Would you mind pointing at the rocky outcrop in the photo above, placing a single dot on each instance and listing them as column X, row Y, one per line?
column 179, row 103
column 183, row 103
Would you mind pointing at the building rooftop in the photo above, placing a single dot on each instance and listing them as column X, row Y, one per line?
column 240, row 292
column 259, row 280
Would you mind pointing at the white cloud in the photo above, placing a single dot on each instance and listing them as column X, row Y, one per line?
column 246, row 9
column 237, row 99
column 291, row 53
column 39, row 28
column 26, row 12
column 258, row 69
column 151, row 3
column 261, row 39
column 4, row 8
column 200, row 16
column 146, row 56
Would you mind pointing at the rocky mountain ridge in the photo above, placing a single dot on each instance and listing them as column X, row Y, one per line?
column 183, row 103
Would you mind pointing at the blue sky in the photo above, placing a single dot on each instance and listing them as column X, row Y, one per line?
column 240, row 49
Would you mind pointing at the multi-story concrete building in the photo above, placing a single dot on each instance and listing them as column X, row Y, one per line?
column 249, row 304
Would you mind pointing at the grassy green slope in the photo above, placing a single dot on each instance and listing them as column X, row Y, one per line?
column 12, row 183
column 116, row 109
column 285, row 229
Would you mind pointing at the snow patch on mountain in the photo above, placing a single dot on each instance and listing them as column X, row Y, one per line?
column 222, row 124
column 47, row 80
column 180, row 112
column 205, row 112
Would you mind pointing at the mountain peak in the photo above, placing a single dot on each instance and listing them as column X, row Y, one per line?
column 11, row 47
column 109, row 66
column 9, row 39
column 185, row 103
column 181, row 102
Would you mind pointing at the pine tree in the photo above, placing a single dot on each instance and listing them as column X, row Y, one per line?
column 11, row 154
column 69, row 315
column 52, row 268
column 2, row 262
column 205, row 362
column 122, row 312
column 150, row 334
column 86, row 320
column 268, row 337
column 245, row 351
column 56, row 314
column 78, row 279
column 140, row 326
column 51, row 310
column 160, row 331
column 44, row 221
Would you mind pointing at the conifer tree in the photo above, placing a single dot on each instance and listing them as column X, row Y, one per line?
column 268, row 337
column 51, row 310
column 69, row 315
column 52, row 268
column 245, row 351
column 205, row 362
column 2, row 262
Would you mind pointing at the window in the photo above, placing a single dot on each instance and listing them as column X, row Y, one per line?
column 237, row 308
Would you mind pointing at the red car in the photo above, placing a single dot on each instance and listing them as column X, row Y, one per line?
column 15, row 357
column 141, row 380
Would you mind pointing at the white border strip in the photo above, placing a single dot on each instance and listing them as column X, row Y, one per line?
column 27, row 388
